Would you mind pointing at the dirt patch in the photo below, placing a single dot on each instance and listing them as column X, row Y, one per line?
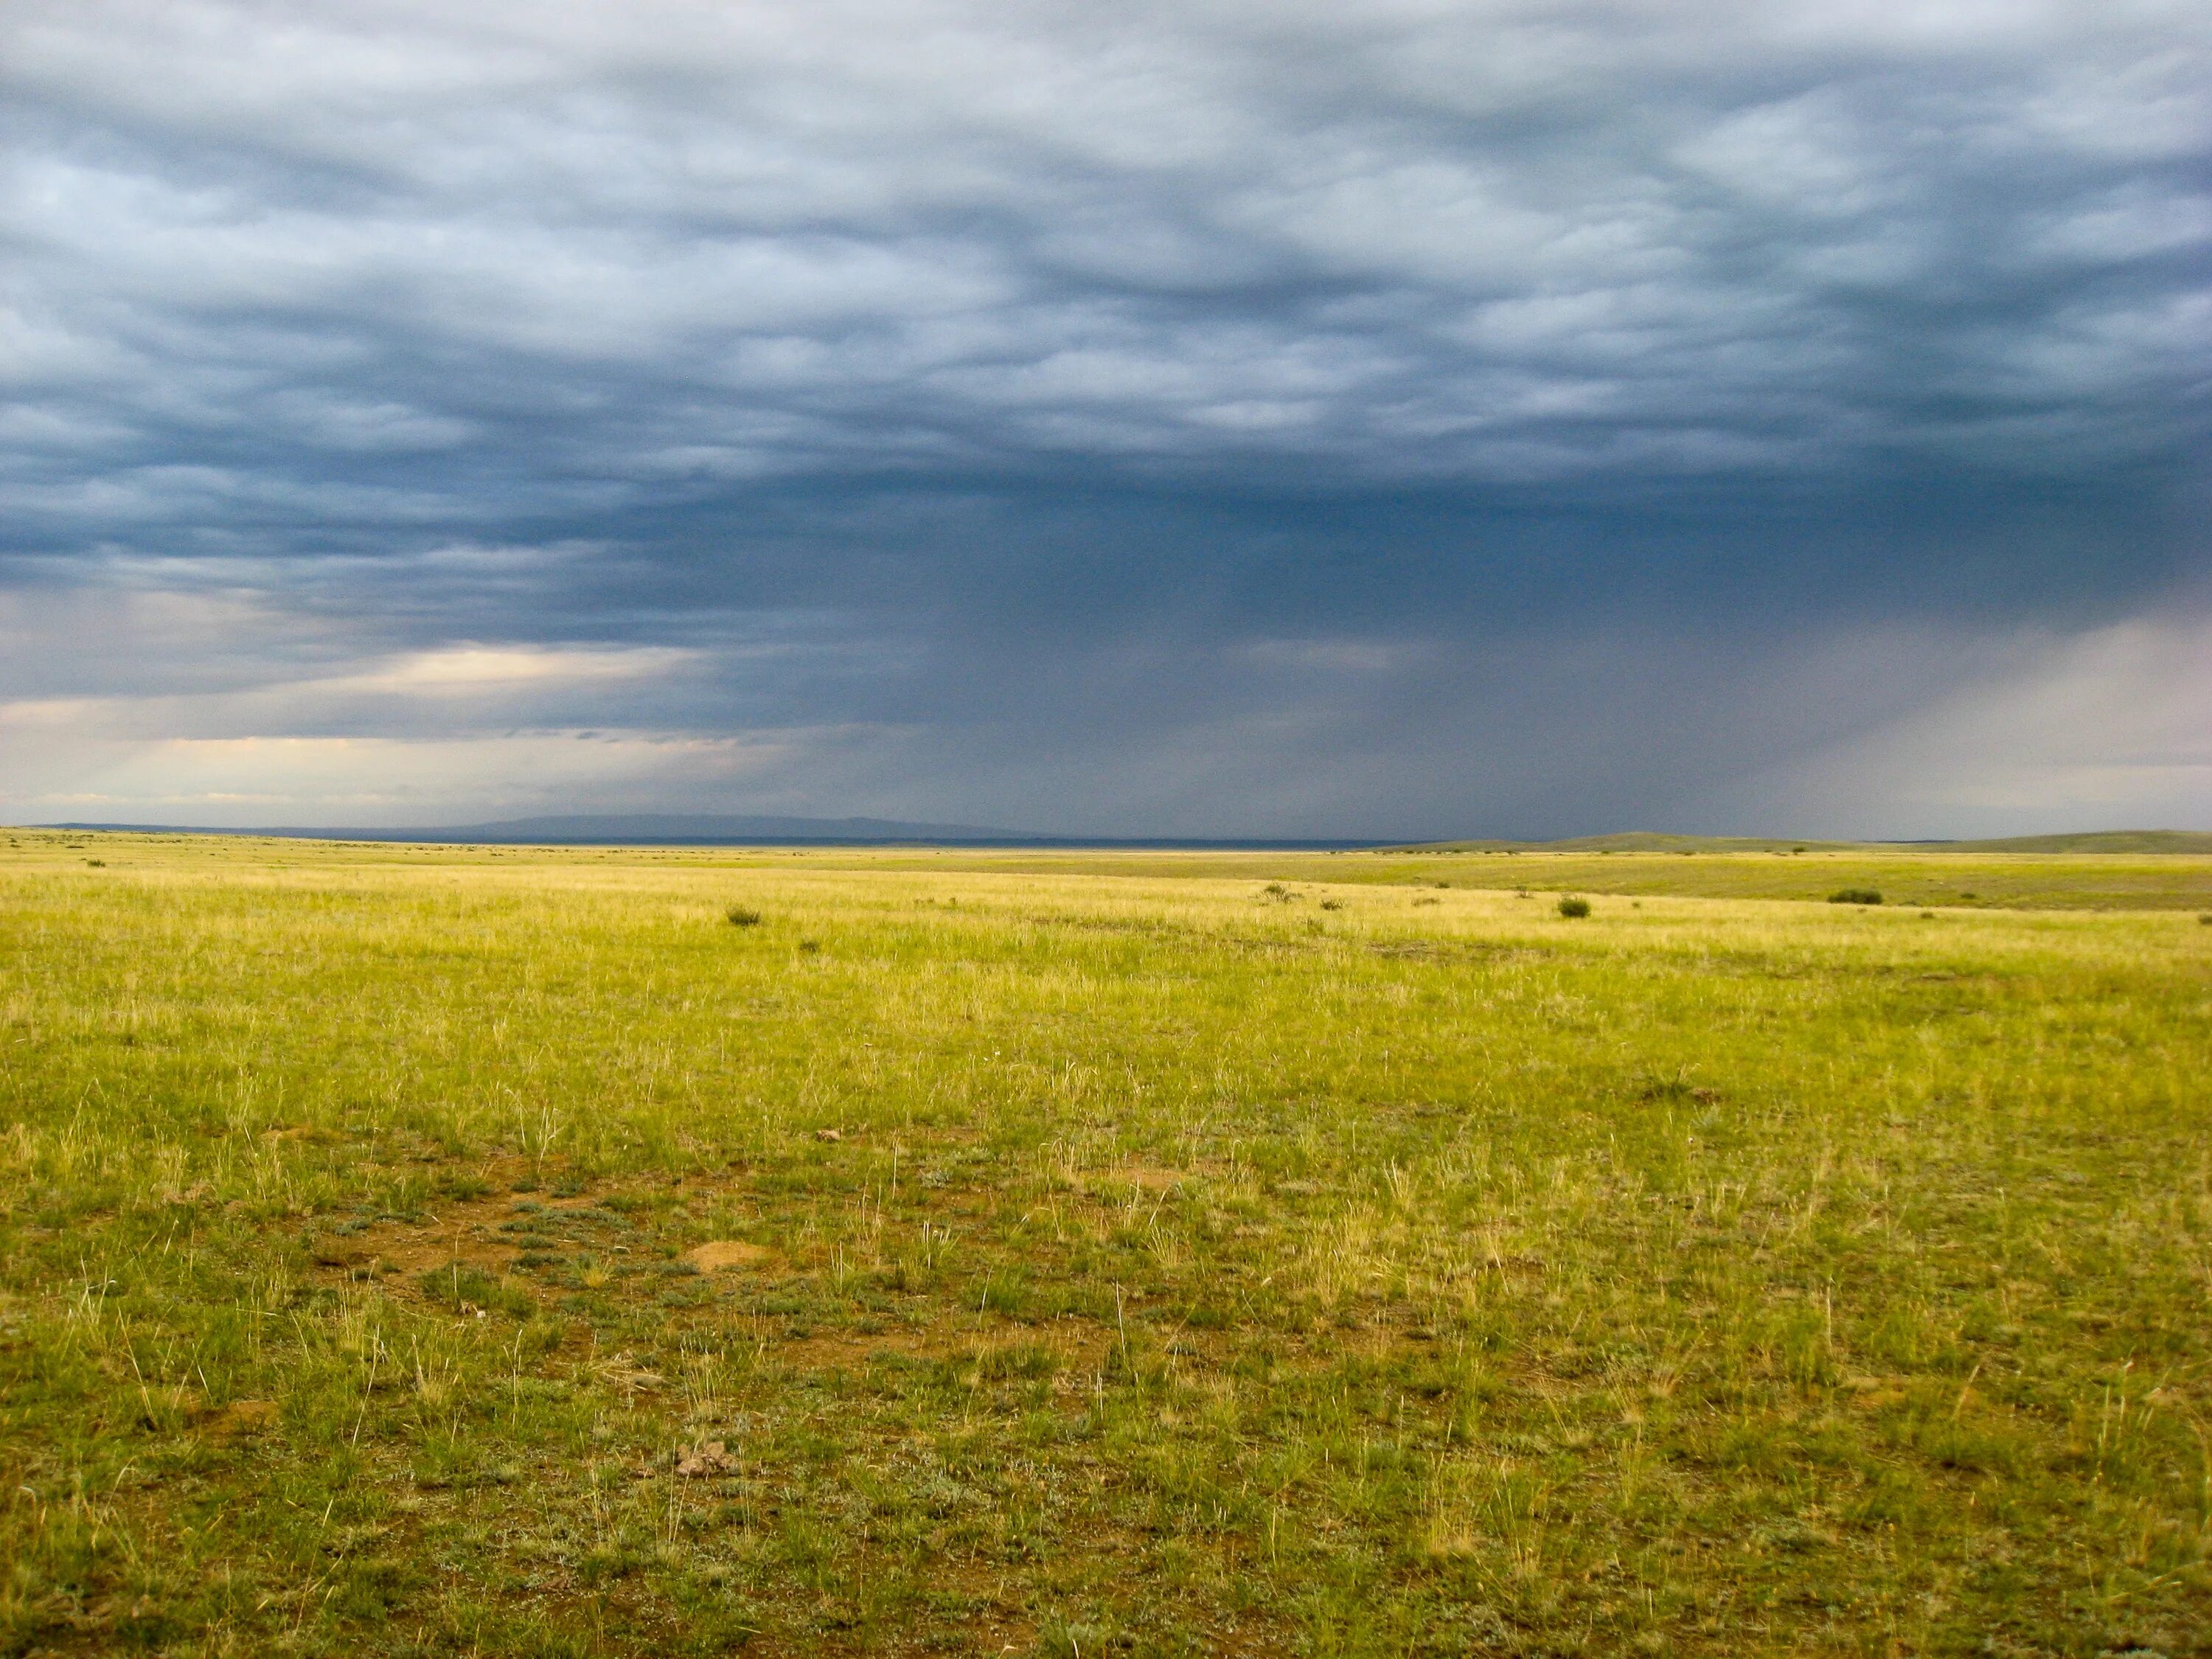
column 1145, row 1178
column 1152, row 1180
column 240, row 1419
column 396, row 1248
column 848, row 1351
column 1071, row 1348
column 728, row 1255
column 470, row 1232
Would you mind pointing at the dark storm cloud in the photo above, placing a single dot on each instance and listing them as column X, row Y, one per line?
column 1001, row 397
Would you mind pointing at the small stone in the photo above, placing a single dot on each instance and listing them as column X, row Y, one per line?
column 829, row 1134
column 710, row 1457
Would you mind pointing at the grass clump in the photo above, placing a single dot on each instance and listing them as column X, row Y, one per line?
column 1573, row 907
column 742, row 915
column 469, row 1292
column 1856, row 895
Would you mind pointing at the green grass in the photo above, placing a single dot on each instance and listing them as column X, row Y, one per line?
column 1122, row 1254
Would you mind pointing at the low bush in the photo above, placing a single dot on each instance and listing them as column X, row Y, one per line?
column 742, row 915
column 1854, row 896
column 1571, row 907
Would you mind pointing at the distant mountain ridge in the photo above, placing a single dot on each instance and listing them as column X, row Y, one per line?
column 710, row 829
column 630, row 829
column 1643, row 840
column 738, row 829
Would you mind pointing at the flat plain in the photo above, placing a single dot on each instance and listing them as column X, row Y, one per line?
column 429, row 1250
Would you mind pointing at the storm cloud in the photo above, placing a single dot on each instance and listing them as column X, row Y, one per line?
column 1359, row 418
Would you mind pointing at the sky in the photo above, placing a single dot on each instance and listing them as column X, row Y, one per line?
column 1308, row 417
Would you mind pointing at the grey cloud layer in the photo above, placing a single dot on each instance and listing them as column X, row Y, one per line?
column 1016, row 371
column 1478, row 242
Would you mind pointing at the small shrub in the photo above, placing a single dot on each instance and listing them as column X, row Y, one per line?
column 1572, row 907
column 742, row 915
column 1332, row 904
column 1854, row 896
column 2206, row 918
column 97, row 864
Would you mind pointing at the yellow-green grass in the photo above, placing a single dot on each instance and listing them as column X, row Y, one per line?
column 1961, row 880
column 1921, row 876
column 1146, row 1256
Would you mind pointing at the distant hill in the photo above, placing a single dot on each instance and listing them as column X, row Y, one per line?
column 2096, row 841
column 697, row 830
column 1641, row 840
column 1645, row 841
column 725, row 829
column 634, row 829
column 712, row 829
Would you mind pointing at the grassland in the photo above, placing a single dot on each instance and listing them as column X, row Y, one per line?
column 1980, row 881
column 424, row 1251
